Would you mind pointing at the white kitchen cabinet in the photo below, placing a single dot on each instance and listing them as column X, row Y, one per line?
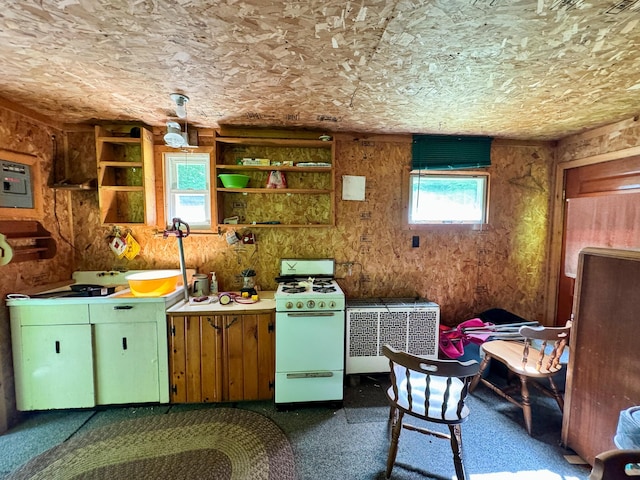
column 126, row 363
column 52, row 356
column 75, row 353
column 130, row 351
column 56, row 368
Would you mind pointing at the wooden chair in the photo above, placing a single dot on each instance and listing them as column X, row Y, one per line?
column 612, row 465
column 528, row 361
column 431, row 390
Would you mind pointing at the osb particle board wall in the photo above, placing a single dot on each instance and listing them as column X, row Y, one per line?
column 465, row 272
column 31, row 138
column 601, row 144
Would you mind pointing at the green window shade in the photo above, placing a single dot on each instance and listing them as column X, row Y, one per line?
column 443, row 152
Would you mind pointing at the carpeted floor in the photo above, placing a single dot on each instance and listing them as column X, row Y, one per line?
column 207, row 444
column 351, row 443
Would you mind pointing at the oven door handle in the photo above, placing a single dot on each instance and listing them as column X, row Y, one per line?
column 312, row 314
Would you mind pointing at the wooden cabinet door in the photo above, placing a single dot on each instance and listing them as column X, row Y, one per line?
column 126, row 363
column 195, row 359
column 249, row 368
column 57, row 366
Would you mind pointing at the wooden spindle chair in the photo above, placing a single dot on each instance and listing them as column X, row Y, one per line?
column 431, row 390
column 530, row 361
column 616, row 465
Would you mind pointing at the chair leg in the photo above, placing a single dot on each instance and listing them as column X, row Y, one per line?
column 393, row 447
column 556, row 394
column 456, row 448
column 526, row 403
column 478, row 376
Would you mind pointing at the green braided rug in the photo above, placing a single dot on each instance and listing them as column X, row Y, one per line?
column 216, row 443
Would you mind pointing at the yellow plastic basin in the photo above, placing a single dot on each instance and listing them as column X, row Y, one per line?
column 153, row 283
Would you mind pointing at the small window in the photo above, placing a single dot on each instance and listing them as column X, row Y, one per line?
column 444, row 199
column 187, row 188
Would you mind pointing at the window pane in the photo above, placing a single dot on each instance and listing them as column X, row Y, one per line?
column 191, row 176
column 447, row 199
column 191, row 208
column 187, row 191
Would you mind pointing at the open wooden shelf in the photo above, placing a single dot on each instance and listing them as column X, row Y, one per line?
column 28, row 239
column 308, row 200
column 126, row 177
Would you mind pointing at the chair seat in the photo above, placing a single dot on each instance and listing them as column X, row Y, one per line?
column 510, row 353
column 523, row 358
column 437, row 387
column 432, row 390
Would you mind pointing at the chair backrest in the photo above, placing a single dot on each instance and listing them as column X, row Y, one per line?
column 426, row 378
column 612, row 465
column 555, row 337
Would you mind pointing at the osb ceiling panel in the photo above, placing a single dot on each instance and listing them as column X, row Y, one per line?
column 519, row 69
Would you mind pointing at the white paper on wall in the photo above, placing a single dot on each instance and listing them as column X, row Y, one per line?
column 353, row 187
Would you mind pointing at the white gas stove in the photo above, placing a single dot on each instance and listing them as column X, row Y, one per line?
column 310, row 294
column 309, row 332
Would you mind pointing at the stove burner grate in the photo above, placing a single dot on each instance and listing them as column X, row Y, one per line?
column 291, row 289
column 320, row 289
column 322, row 283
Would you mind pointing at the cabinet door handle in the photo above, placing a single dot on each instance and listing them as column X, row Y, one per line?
column 212, row 324
column 124, row 343
column 57, row 346
column 235, row 319
column 123, row 307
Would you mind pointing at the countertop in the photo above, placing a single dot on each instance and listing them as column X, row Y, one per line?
column 266, row 303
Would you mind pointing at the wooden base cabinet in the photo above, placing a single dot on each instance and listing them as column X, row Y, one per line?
column 221, row 358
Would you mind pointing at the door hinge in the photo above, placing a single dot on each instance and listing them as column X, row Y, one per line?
column 271, row 327
column 173, row 330
column 271, row 385
column 174, row 389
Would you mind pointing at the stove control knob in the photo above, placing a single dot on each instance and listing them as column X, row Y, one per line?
column 311, row 304
column 332, row 304
column 321, row 304
column 288, row 305
column 299, row 305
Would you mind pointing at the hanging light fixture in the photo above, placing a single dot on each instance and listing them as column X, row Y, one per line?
column 181, row 104
column 174, row 137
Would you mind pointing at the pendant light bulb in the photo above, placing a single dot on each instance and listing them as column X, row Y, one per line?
column 181, row 104
column 174, row 136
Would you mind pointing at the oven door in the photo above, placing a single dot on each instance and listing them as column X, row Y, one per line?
column 309, row 356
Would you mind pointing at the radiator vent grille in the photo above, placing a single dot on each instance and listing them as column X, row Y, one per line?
column 412, row 327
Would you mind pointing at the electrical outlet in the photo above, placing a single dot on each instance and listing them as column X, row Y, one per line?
column 415, row 241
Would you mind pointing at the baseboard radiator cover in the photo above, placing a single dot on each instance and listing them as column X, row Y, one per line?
column 407, row 324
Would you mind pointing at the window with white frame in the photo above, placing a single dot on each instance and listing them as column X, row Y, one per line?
column 448, row 198
column 187, row 188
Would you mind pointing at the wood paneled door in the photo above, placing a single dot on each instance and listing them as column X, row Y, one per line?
column 601, row 209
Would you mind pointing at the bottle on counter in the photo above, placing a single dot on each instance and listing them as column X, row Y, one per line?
column 213, row 285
